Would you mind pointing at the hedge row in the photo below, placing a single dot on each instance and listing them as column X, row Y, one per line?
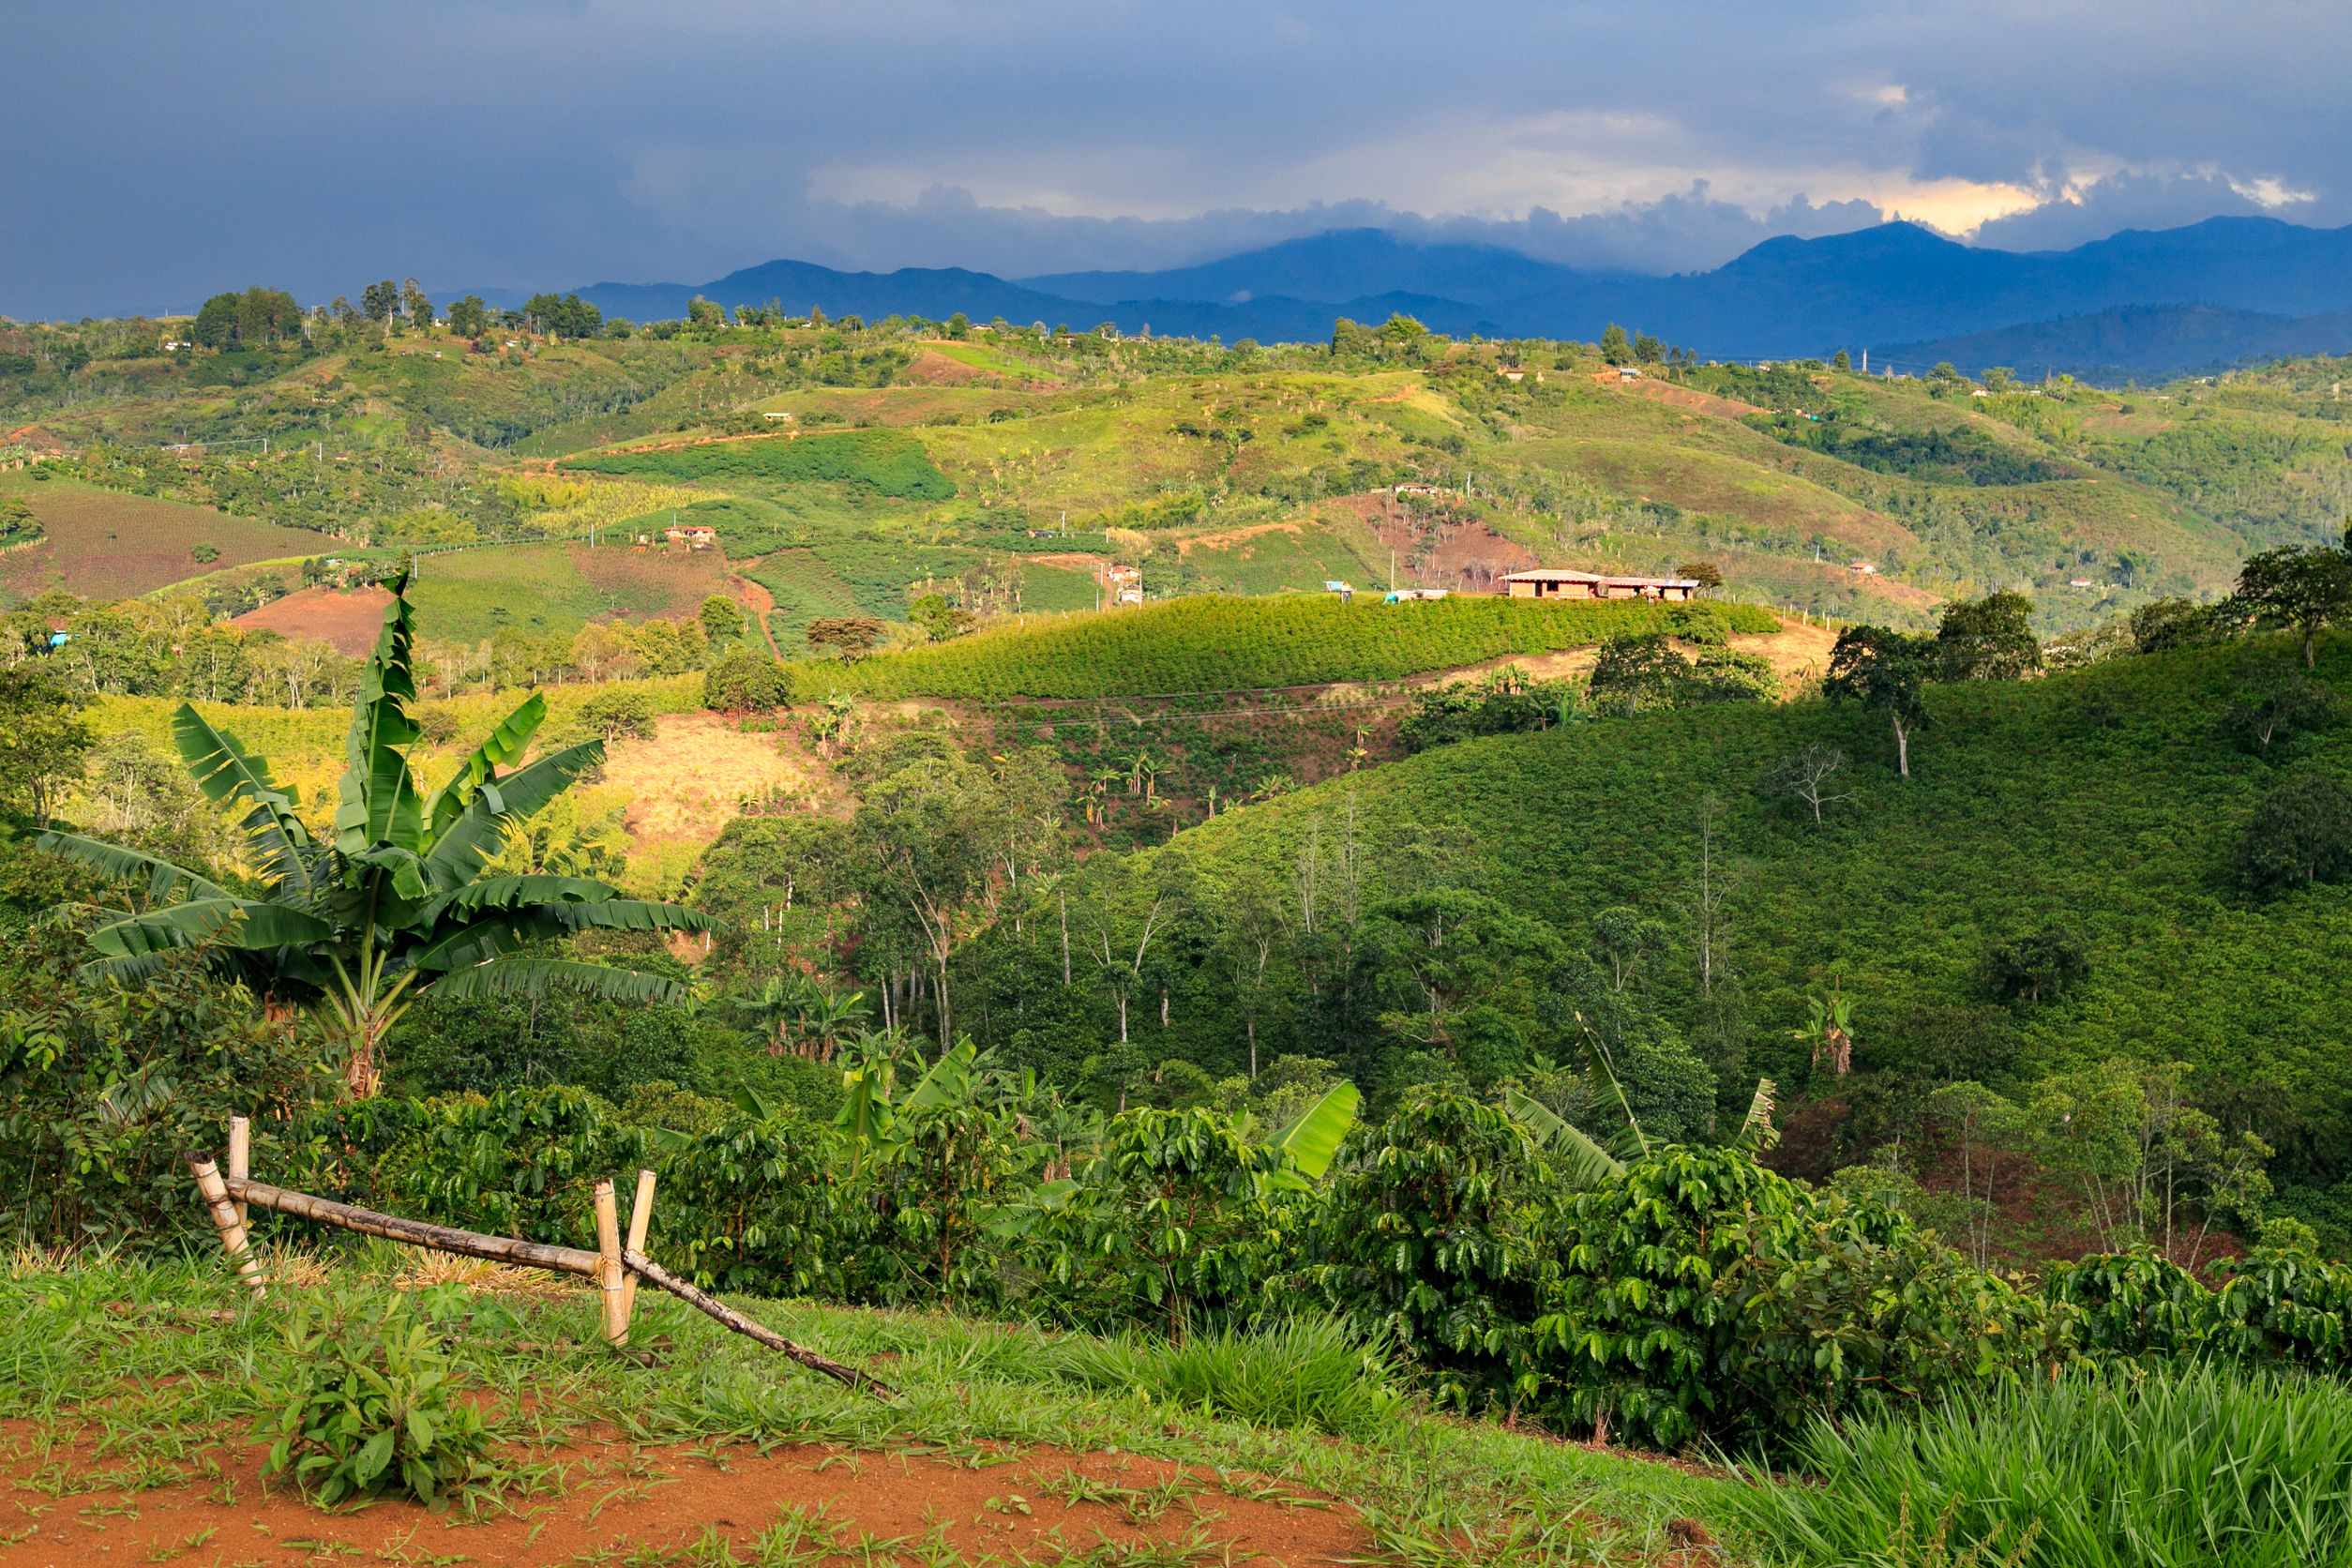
column 1233, row 644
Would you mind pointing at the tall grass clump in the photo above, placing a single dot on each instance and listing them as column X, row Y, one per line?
column 1309, row 1372
column 2198, row 1465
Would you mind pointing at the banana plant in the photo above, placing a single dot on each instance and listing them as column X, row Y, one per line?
column 1584, row 1163
column 394, row 904
column 1314, row 1138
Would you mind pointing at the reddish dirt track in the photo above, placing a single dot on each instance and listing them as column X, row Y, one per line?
column 349, row 620
column 615, row 1498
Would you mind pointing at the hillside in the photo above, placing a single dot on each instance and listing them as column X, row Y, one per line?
column 851, row 468
column 2101, row 801
column 1209, row 645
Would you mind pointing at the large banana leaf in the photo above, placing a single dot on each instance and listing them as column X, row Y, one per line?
column 948, row 1082
column 1316, row 1136
column 460, row 851
column 165, row 881
column 377, row 797
column 225, row 770
column 1584, row 1163
column 1756, row 1132
column 225, row 922
column 522, row 976
column 500, row 931
column 504, row 748
column 505, row 893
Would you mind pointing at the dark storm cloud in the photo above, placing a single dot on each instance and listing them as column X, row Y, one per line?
column 160, row 153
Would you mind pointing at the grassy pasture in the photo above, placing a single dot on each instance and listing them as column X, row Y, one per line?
column 104, row 545
column 469, row 594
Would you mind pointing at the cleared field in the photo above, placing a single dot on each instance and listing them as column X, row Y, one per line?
column 349, row 621
column 1282, row 557
column 106, row 546
column 470, row 595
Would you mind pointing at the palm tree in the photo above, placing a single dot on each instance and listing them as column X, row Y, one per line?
column 395, row 905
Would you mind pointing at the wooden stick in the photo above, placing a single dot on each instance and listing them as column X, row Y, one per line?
column 662, row 1278
column 241, row 1156
column 505, row 1249
column 224, row 1219
column 610, row 1272
column 640, row 1219
column 442, row 1238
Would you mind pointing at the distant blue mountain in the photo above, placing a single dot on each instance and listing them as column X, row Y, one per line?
column 2110, row 347
column 1895, row 284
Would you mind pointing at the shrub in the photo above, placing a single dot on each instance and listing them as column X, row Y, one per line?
column 1433, row 1233
column 746, row 681
column 1702, row 1297
column 362, row 1402
column 1168, row 1224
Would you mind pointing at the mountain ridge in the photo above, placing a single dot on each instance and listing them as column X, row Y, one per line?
column 1893, row 286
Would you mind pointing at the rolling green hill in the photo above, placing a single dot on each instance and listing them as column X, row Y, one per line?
column 2102, row 800
column 1220, row 644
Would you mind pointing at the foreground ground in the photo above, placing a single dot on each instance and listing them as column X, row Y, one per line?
column 126, row 1416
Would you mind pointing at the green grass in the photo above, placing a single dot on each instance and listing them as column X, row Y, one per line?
column 1056, row 590
column 186, row 1342
column 1219, row 644
column 1307, row 1373
column 2205, row 1466
column 881, row 462
column 1295, row 557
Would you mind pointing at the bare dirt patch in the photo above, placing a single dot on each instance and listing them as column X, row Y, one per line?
column 612, row 1500
column 756, row 601
column 349, row 621
column 936, row 370
column 697, row 774
column 1678, row 397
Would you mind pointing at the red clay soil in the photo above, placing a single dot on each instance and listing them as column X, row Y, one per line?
column 1679, row 396
column 622, row 1500
column 935, row 368
column 349, row 620
column 756, row 601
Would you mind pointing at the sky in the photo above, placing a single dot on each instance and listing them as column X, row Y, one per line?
column 162, row 153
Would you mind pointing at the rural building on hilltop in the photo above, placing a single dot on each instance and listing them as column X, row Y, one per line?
column 1552, row 583
column 699, row 537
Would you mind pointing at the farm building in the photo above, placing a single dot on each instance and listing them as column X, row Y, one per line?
column 1552, row 583
column 698, row 537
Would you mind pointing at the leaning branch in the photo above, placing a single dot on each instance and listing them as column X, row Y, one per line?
column 655, row 1274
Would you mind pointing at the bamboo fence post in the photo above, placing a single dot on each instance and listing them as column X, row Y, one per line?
column 224, row 1219
column 640, row 1219
column 241, row 1156
column 610, row 1275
